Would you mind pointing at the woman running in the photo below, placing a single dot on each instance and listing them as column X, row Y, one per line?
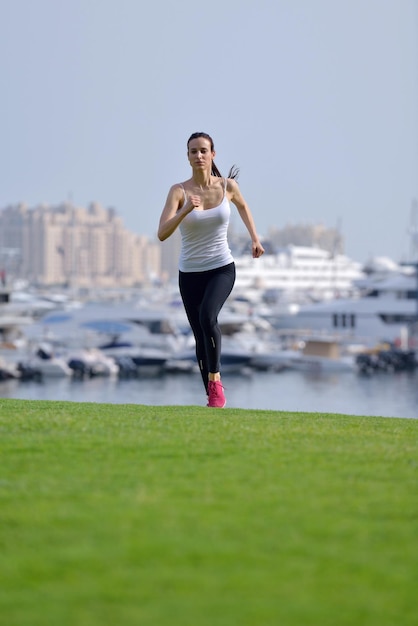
column 200, row 207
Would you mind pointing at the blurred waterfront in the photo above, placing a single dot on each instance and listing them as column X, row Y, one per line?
column 383, row 394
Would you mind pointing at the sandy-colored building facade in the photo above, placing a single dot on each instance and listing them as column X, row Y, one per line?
column 75, row 246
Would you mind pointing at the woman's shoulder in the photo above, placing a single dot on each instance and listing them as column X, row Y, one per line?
column 177, row 189
column 231, row 185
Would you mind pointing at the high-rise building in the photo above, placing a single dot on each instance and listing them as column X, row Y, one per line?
column 318, row 235
column 69, row 245
column 170, row 252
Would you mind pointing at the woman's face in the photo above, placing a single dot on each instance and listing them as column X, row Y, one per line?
column 200, row 153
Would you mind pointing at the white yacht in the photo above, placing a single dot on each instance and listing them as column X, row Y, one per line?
column 385, row 309
column 298, row 272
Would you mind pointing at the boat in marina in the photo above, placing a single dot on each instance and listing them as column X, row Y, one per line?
column 8, row 369
column 53, row 367
column 318, row 354
column 301, row 273
column 384, row 309
column 111, row 338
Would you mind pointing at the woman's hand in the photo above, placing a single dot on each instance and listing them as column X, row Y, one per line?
column 258, row 249
column 193, row 202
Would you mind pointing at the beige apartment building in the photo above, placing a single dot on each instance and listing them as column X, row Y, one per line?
column 75, row 246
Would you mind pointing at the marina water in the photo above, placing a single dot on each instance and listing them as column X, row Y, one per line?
column 382, row 394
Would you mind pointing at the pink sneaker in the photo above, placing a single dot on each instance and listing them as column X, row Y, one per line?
column 216, row 394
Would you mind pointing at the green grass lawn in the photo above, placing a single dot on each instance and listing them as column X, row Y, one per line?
column 135, row 515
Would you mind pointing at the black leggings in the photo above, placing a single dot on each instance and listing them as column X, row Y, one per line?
column 203, row 295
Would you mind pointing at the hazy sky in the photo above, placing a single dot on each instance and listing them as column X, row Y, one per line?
column 315, row 100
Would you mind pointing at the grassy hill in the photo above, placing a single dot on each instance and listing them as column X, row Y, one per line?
column 127, row 515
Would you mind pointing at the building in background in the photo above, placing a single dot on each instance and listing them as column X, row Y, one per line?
column 74, row 246
column 308, row 235
column 170, row 252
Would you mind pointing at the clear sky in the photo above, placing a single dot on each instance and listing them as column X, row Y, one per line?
column 315, row 100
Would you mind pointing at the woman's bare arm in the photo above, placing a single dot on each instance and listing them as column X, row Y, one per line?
column 236, row 198
column 172, row 215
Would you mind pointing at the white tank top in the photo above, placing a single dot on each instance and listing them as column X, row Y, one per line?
column 204, row 243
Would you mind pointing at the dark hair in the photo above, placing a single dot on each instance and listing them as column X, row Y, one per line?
column 233, row 172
